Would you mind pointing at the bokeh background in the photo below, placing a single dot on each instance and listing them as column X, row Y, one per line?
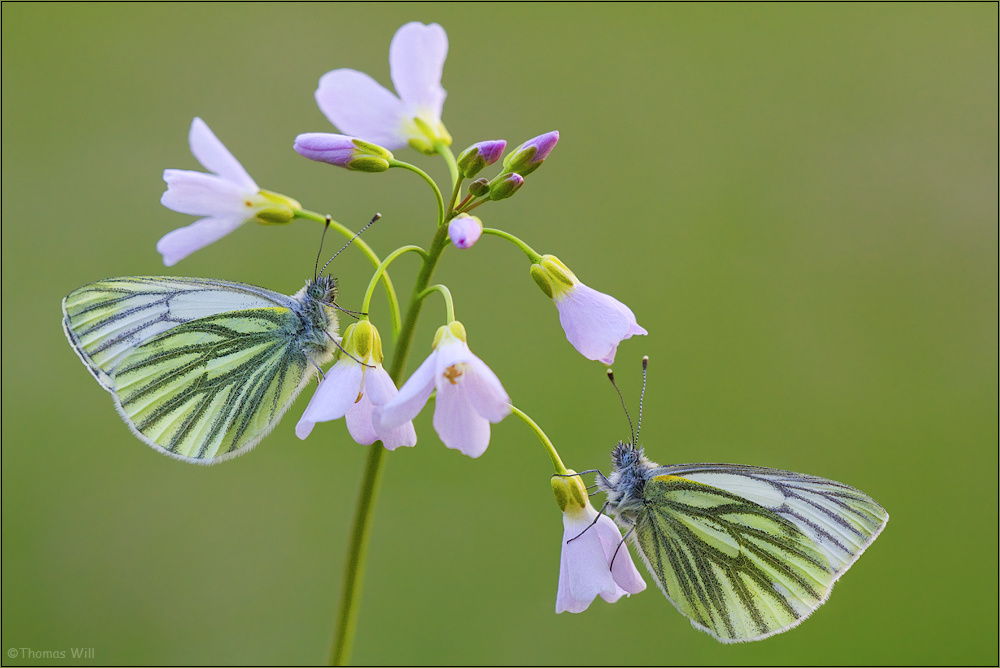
column 798, row 202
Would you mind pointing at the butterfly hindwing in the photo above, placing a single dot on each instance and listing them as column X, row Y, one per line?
column 212, row 388
column 105, row 321
column 747, row 552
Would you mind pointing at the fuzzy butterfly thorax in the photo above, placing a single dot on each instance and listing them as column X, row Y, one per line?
column 318, row 314
column 624, row 486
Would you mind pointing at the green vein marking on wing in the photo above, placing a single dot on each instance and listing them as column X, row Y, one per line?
column 212, row 387
column 735, row 568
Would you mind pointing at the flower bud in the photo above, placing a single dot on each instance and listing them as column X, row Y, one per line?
column 464, row 230
column 530, row 155
column 483, row 154
column 570, row 493
column 281, row 208
column 479, row 187
column 505, row 185
column 552, row 276
column 343, row 151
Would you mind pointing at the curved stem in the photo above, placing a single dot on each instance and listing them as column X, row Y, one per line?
column 528, row 250
column 380, row 270
column 475, row 204
column 449, row 158
column 549, row 448
column 419, row 172
column 354, row 569
column 449, row 305
column 390, row 291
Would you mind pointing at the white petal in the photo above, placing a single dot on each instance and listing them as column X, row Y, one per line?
column 485, row 391
column 403, row 436
column 416, row 60
column 215, row 157
column 623, row 569
column 411, row 398
column 336, row 393
column 359, row 422
column 359, row 106
column 458, row 423
column 378, row 386
column 304, row 428
column 592, row 321
column 177, row 245
column 565, row 601
column 200, row 194
column 589, row 574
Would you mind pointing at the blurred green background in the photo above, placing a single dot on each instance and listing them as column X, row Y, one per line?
column 798, row 202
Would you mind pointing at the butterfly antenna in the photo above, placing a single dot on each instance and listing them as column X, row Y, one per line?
column 319, row 253
column 370, row 223
column 611, row 377
column 645, row 363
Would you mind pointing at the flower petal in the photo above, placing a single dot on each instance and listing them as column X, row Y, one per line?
column 403, row 436
column 595, row 323
column 416, row 60
column 411, row 398
column 359, row 422
column 178, row 244
column 215, row 157
column 336, row 393
column 458, row 423
column 565, row 601
column 200, row 194
column 588, row 565
column 361, row 107
column 623, row 569
column 378, row 386
column 485, row 392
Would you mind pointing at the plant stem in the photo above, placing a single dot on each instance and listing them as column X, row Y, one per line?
column 419, row 172
column 354, row 569
column 383, row 267
column 549, row 448
column 525, row 248
column 449, row 305
column 390, row 291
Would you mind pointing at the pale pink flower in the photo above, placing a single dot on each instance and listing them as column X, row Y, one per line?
column 469, row 395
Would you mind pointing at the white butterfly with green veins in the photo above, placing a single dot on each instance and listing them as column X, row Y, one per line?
column 744, row 552
column 201, row 369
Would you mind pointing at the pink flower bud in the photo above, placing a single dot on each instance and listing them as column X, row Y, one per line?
column 464, row 230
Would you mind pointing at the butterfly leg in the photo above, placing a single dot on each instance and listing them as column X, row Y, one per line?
column 601, row 512
column 627, row 534
column 337, row 343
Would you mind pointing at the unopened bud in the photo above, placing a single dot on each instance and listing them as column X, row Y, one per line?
column 530, row 155
column 478, row 156
column 505, row 185
column 464, row 230
column 343, row 151
column 281, row 209
column 479, row 187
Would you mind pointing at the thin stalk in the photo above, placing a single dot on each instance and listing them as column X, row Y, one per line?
column 525, row 248
column 419, row 172
column 549, row 448
column 449, row 305
column 354, row 569
column 390, row 291
column 381, row 269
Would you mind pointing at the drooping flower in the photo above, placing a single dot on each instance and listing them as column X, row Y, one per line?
column 464, row 230
column 343, row 151
column 469, row 394
column 227, row 198
column 361, row 107
column 588, row 564
column 354, row 389
column 595, row 323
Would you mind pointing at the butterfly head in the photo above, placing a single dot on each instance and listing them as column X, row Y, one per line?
column 626, row 455
column 323, row 289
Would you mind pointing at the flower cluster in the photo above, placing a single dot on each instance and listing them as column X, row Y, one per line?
column 373, row 123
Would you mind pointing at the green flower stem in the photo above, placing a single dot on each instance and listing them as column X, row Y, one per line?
column 380, row 271
column 455, row 192
column 475, row 204
column 419, row 172
column 528, row 250
column 448, row 303
column 390, row 291
column 553, row 455
column 449, row 158
column 354, row 569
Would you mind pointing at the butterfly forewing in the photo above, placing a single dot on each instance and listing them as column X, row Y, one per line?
column 105, row 321
column 735, row 568
column 212, row 388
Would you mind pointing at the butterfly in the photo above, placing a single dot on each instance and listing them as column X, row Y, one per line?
column 201, row 369
column 744, row 552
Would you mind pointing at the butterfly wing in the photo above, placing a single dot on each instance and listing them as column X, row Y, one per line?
column 212, row 388
column 107, row 320
column 747, row 552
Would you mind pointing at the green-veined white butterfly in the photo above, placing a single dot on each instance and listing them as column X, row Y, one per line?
column 201, row 369
column 745, row 552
